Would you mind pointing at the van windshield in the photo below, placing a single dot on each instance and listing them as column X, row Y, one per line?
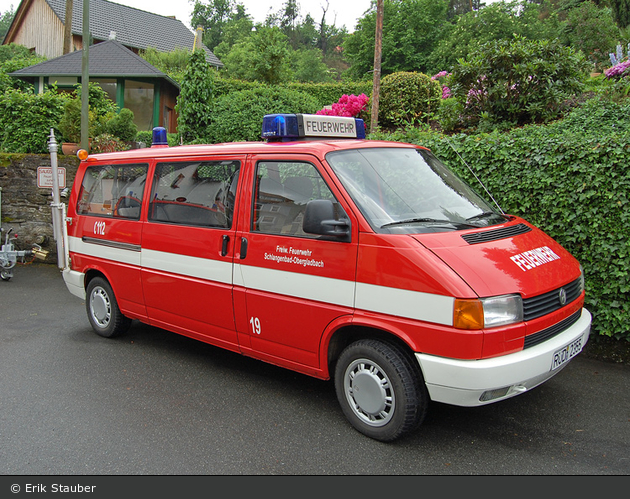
column 409, row 191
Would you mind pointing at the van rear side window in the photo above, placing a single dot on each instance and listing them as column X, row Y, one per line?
column 195, row 193
column 113, row 191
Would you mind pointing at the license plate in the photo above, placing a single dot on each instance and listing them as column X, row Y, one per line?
column 562, row 356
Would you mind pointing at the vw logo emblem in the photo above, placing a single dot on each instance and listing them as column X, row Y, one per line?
column 562, row 296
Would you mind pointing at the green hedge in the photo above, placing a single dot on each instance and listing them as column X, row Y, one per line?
column 574, row 185
column 238, row 116
column 324, row 93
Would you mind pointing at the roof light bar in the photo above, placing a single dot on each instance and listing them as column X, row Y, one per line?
column 288, row 127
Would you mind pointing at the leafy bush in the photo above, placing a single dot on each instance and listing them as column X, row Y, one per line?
column 519, row 81
column 101, row 110
column 450, row 114
column 26, row 120
column 172, row 63
column 238, row 116
column 408, row 98
column 106, row 142
column 15, row 64
column 122, row 126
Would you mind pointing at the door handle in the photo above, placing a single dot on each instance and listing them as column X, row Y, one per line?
column 243, row 247
column 224, row 245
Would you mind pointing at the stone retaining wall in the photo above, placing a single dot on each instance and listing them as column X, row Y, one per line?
column 24, row 207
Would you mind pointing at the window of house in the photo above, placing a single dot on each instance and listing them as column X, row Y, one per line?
column 139, row 98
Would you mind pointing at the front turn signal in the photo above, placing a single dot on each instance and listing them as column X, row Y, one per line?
column 468, row 314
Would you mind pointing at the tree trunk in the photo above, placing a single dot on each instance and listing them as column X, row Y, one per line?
column 67, row 28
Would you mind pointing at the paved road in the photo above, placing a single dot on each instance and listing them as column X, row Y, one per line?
column 153, row 403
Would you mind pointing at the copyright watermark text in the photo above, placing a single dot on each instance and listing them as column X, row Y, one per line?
column 54, row 488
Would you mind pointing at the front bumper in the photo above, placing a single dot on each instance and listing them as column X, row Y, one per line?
column 471, row 383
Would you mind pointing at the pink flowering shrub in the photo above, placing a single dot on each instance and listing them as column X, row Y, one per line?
column 349, row 106
column 446, row 92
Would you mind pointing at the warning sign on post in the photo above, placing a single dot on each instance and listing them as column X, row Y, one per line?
column 45, row 179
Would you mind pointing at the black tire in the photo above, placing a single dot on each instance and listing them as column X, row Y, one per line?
column 102, row 309
column 380, row 389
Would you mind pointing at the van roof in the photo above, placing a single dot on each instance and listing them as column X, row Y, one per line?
column 316, row 148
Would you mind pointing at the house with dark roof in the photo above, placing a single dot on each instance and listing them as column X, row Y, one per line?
column 118, row 33
column 128, row 79
column 39, row 25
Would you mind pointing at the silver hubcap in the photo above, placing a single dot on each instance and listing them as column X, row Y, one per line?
column 100, row 307
column 369, row 392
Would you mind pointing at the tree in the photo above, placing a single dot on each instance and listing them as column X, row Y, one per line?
column 6, row 18
column 271, row 55
column 308, row 66
column 498, row 21
column 236, row 30
column 172, row 63
column 12, row 58
column 621, row 12
column 194, row 103
column 591, row 29
column 213, row 17
column 410, row 31
column 67, row 28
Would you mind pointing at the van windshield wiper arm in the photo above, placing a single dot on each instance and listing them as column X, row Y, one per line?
column 486, row 214
column 427, row 220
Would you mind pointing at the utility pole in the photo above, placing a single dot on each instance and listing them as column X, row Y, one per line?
column 85, row 78
column 376, row 86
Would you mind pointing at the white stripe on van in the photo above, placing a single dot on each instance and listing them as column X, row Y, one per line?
column 191, row 266
column 76, row 245
column 404, row 303
column 372, row 298
column 309, row 287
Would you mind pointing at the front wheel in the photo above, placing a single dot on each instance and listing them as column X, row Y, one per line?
column 102, row 309
column 381, row 392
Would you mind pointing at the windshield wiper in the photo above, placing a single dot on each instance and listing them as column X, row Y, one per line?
column 427, row 220
column 485, row 214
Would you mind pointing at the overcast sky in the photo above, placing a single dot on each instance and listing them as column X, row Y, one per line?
column 342, row 12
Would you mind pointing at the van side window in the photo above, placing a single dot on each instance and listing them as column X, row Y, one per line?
column 282, row 191
column 113, row 191
column 195, row 193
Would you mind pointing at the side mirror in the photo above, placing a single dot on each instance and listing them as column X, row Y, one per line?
column 319, row 218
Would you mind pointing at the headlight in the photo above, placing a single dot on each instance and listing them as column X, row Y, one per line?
column 582, row 285
column 487, row 312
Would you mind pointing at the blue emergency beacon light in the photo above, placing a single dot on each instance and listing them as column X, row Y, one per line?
column 159, row 137
column 290, row 127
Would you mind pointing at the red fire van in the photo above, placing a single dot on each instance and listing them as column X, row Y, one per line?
column 367, row 262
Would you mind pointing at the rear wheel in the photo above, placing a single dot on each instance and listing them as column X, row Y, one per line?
column 381, row 391
column 102, row 309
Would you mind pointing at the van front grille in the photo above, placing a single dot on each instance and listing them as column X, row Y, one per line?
column 551, row 301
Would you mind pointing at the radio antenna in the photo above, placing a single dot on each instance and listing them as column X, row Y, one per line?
column 475, row 175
